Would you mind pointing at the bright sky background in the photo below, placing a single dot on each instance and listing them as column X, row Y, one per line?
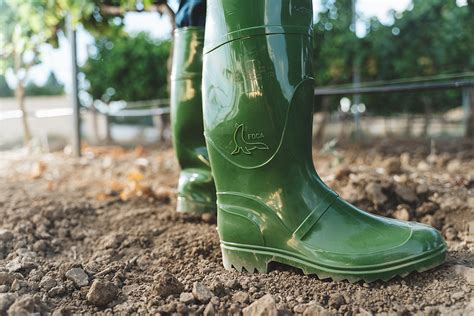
column 58, row 60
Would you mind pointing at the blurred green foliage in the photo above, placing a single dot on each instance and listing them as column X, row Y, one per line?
column 5, row 90
column 128, row 68
column 434, row 37
column 51, row 87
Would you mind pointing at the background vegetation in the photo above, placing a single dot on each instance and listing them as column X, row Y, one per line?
column 431, row 38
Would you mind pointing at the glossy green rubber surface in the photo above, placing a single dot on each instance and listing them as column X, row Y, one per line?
column 272, row 205
column 196, row 190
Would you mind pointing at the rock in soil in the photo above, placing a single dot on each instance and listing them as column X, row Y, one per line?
column 5, row 235
column 167, row 284
column 28, row 305
column 102, row 293
column 6, row 278
column 201, row 292
column 392, row 165
column 78, row 276
column 265, row 306
column 315, row 309
column 240, row 297
column 209, row 310
column 374, row 192
column 47, row 283
column 6, row 300
column 466, row 272
column 405, row 193
column 186, row 298
column 402, row 214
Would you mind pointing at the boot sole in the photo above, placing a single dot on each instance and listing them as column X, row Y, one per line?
column 194, row 207
column 254, row 259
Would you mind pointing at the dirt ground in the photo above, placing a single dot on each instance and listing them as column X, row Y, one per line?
column 100, row 234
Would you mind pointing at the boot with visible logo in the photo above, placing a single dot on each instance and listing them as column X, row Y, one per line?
column 196, row 190
column 272, row 205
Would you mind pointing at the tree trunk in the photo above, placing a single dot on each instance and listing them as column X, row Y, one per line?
column 95, row 124
column 470, row 118
column 20, row 96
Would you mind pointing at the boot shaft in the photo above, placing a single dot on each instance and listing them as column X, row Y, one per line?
column 257, row 67
column 186, row 98
column 258, row 102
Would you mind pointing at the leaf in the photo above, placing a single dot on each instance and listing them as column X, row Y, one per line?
column 135, row 175
column 37, row 169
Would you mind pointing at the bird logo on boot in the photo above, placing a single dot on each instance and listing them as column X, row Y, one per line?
column 242, row 145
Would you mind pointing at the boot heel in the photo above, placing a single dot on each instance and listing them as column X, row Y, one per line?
column 244, row 259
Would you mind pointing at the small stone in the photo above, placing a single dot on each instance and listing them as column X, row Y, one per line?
column 17, row 285
column 4, row 288
column 402, row 214
column 451, row 233
column 14, row 265
column 336, row 301
column 41, row 246
column 6, row 299
column 300, row 308
column 457, row 296
column 426, row 208
column 57, row 291
column 432, row 221
column 405, row 193
column 342, row 173
column 209, row 310
column 234, row 309
column 201, row 292
column 112, row 241
column 208, row 217
column 167, row 284
column 182, row 308
column 5, row 235
column 423, row 166
column 78, row 276
column 453, row 165
column 6, row 278
column 392, row 165
column 240, row 297
column 62, row 311
column 186, row 298
column 315, row 309
column 374, row 192
column 422, row 189
column 28, row 305
column 232, row 284
column 47, row 283
column 102, row 293
column 265, row 306
column 466, row 272
column 168, row 308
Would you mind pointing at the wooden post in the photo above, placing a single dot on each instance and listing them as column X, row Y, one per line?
column 76, row 124
column 468, row 106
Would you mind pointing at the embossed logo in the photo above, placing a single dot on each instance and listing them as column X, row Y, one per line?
column 243, row 145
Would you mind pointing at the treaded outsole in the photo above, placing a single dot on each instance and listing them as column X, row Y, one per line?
column 254, row 261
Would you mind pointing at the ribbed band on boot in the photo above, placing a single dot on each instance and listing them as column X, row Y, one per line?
column 229, row 20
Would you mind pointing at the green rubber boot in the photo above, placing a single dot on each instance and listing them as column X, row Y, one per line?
column 272, row 205
column 196, row 190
